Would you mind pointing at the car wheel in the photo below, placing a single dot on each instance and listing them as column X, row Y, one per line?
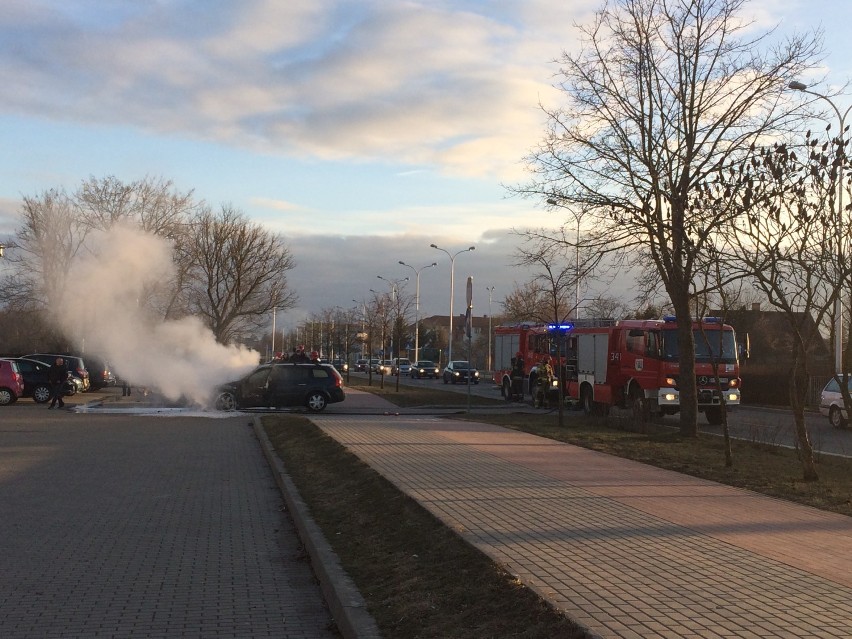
column 41, row 394
column 835, row 417
column 226, row 401
column 316, row 402
column 7, row 397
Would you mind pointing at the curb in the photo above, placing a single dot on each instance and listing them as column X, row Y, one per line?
column 344, row 600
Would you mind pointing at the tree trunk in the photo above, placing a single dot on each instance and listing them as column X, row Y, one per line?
column 686, row 376
column 798, row 395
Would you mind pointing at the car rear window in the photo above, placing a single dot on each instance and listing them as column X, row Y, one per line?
column 320, row 373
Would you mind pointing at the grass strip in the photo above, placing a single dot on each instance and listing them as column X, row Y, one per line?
column 419, row 579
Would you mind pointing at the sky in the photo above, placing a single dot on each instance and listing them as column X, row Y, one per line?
column 361, row 130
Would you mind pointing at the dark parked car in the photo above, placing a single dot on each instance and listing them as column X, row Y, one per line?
column 75, row 364
column 36, row 377
column 361, row 365
column 424, row 368
column 283, row 385
column 341, row 365
column 458, row 371
column 11, row 382
column 100, row 373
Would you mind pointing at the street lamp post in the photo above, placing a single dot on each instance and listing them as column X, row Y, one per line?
column 273, row 332
column 490, row 290
column 553, row 202
column 417, row 307
column 452, row 285
column 838, row 308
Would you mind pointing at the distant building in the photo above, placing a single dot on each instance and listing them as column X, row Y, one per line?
column 766, row 373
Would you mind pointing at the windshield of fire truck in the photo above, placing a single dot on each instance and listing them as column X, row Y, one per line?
column 709, row 345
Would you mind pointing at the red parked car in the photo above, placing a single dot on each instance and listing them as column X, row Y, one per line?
column 11, row 382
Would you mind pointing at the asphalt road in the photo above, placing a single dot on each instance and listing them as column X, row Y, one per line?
column 773, row 426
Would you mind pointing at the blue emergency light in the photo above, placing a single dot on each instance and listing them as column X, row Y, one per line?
column 560, row 328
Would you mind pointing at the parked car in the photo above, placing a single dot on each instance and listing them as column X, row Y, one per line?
column 385, row 368
column 76, row 366
column 282, row 385
column 831, row 404
column 11, row 382
column 374, row 364
column 100, row 373
column 401, row 366
column 340, row 364
column 424, row 368
column 361, row 365
column 458, row 371
column 36, row 376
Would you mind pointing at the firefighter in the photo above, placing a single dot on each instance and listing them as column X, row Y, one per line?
column 517, row 390
column 544, row 382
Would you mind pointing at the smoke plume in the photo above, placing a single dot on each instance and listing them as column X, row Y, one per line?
column 104, row 307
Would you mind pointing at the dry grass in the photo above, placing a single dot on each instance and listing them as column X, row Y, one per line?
column 420, row 580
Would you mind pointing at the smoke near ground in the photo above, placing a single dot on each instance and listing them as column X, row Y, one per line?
column 104, row 306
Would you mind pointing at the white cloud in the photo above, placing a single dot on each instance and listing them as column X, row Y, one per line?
column 424, row 83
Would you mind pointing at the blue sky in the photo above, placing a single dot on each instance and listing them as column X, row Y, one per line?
column 363, row 130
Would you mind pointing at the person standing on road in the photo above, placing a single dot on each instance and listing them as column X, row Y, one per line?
column 58, row 376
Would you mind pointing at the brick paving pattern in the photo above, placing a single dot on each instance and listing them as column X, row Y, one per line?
column 116, row 526
column 623, row 548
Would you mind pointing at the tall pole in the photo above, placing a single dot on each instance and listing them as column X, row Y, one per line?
column 553, row 201
column 490, row 290
column 417, row 307
column 452, row 292
column 838, row 305
column 273, row 332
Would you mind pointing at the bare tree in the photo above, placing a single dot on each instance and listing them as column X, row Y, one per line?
column 239, row 272
column 557, row 274
column 48, row 240
column 786, row 243
column 527, row 303
column 663, row 96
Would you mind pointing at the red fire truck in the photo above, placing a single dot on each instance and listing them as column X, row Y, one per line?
column 627, row 363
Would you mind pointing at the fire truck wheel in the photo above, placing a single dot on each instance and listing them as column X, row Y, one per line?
column 714, row 416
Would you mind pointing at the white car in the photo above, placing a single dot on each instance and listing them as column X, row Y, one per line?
column 831, row 403
column 385, row 368
column 401, row 366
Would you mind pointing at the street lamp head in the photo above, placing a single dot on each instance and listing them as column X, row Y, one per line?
column 472, row 248
column 797, row 86
column 434, row 245
column 2, row 250
column 552, row 201
column 403, row 263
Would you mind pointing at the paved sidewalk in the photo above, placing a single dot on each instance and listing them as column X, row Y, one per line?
column 623, row 548
column 135, row 526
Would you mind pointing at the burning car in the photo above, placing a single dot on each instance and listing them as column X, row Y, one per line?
column 283, row 385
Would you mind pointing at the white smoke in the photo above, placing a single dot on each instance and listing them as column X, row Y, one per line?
column 103, row 307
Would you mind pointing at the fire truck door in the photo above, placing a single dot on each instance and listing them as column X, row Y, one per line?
column 592, row 356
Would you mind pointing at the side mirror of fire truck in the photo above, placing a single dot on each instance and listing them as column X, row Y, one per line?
column 744, row 346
